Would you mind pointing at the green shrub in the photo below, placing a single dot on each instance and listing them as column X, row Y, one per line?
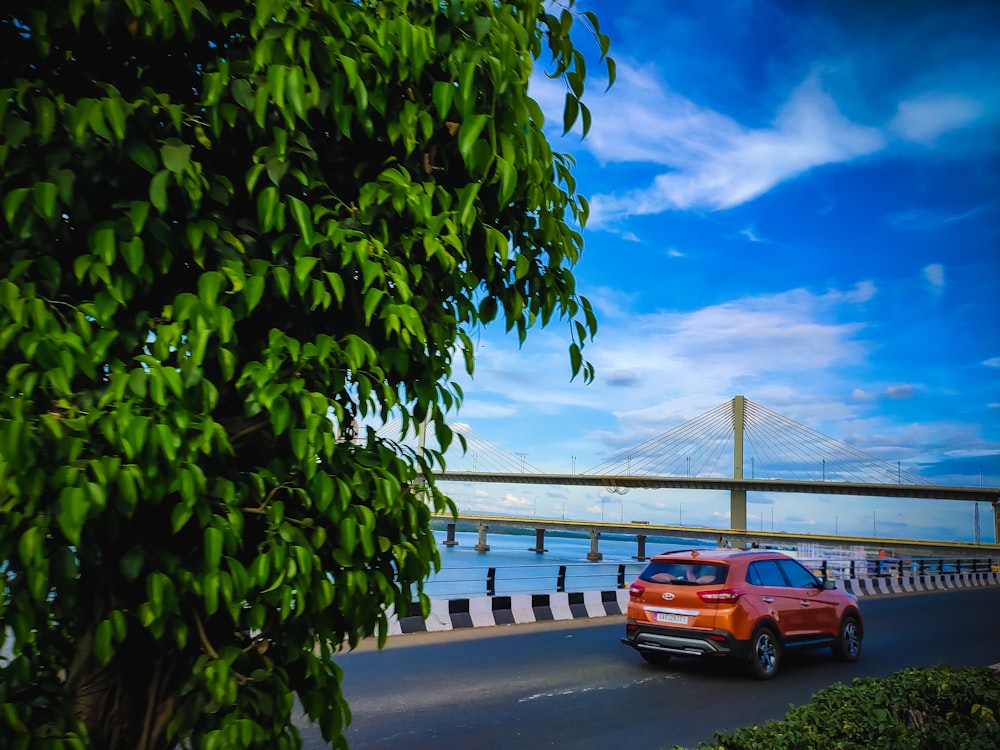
column 940, row 708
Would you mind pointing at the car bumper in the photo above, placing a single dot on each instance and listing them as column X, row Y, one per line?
column 684, row 642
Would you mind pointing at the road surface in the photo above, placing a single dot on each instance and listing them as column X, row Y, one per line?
column 572, row 686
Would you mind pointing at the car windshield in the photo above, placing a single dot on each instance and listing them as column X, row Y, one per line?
column 684, row 573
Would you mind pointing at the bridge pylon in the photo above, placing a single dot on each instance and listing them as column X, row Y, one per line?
column 738, row 497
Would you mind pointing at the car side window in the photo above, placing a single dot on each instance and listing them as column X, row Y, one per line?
column 765, row 573
column 798, row 576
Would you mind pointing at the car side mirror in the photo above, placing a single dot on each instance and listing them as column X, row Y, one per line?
column 829, row 585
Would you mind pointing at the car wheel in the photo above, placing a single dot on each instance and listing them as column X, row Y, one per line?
column 848, row 644
column 657, row 658
column 765, row 654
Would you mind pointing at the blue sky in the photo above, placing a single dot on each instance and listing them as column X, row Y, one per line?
column 796, row 202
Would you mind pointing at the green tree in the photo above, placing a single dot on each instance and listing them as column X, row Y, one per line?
column 231, row 232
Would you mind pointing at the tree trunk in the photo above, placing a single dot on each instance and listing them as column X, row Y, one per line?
column 127, row 703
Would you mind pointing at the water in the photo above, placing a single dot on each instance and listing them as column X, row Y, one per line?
column 519, row 571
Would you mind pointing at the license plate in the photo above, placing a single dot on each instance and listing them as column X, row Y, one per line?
column 669, row 617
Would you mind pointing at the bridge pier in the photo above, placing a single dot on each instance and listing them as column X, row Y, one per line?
column 640, row 553
column 449, row 540
column 481, row 545
column 996, row 521
column 738, row 509
column 539, row 542
column 594, row 555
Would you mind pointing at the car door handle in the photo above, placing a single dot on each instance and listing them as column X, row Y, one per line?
column 768, row 600
column 804, row 604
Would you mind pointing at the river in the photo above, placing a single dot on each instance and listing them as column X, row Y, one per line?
column 519, row 570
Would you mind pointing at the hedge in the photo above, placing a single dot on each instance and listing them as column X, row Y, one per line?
column 937, row 708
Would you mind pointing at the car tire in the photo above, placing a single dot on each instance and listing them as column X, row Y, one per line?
column 765, row 653
column 847, row 647
column 655, row 658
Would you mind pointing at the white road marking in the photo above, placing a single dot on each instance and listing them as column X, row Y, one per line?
column 595, row 688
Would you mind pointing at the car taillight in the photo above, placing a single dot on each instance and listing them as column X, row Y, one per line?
column 635, row 590
column 721, row 595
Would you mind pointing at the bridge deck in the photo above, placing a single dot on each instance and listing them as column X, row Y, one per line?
column 872, row 489
column 736, row 537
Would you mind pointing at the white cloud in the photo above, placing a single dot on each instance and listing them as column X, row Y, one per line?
column 925, row 118
column 714, row 161
column 934, row 275
column 863, row 292
column 992, row 362
column 923, row 220
column 900, row 392
column 474, row 408
column 658, row 369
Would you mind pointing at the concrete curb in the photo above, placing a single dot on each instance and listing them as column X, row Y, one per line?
column 517, row 609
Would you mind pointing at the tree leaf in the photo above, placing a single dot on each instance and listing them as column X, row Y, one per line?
column 175, row 154
column 131, row 563
column 158, row 190
column 72, row 513
column 468, row 133
column 570, row 110
column 45, row 194
column 12, row 202
column 213, row 548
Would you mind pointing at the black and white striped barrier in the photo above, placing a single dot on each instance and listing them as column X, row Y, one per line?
column 518, row 609
column 916, row 583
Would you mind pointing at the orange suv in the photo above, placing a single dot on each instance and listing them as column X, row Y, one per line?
column 751, row 605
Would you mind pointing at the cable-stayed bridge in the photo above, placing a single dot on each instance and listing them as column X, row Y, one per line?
column 739, row 447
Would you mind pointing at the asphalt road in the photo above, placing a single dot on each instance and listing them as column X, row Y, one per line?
column 572, row 686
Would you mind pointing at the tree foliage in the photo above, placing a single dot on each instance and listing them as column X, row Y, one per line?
column 231, row 232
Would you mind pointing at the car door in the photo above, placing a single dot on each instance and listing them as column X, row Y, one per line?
column 772, row 594
column 809, row 608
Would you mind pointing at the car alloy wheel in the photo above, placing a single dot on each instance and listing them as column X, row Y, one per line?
column 848, row 645
column 765, row 653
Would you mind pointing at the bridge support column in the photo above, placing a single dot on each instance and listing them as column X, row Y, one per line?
column 449, row 540
column 539, row 542
column 738, row 498
column 738, row 509
column 482, row 546
column 640, row 553
column 594, row 555
column 996, row 522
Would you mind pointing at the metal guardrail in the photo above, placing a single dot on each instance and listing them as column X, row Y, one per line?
column 900, row 568
column 460, row 583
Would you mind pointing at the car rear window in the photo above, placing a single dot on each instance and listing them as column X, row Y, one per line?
column 684, row 573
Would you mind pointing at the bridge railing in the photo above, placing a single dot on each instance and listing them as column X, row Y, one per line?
column 889, row 567
column 506, row 580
